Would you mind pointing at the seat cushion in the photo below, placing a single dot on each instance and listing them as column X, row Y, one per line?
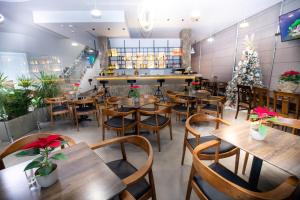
column 85, row 108
column 152, row 120
column 59, row 108
column 125, row 109
column 180, row 108
column 211, row 107
column 224, row 147
column 211, row 192
column 117, row 122
column 124, row 169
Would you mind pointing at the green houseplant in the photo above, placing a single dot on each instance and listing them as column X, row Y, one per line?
column 3, row 93
column 46, row 170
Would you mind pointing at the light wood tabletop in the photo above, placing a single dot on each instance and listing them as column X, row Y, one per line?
column 279, row 148
column 84, row 175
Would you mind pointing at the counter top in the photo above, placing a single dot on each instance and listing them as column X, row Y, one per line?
column 147, row 77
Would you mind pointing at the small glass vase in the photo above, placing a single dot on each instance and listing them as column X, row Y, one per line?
column 258, row 131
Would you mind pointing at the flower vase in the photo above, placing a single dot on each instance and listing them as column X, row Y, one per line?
column 258, row 131
column 136, row 99
column 48, row 180
column 287, row 86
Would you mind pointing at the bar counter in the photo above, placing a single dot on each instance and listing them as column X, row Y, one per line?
column 118, row 85
column 146, row 77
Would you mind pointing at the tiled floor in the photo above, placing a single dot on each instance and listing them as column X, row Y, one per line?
column 170, row 177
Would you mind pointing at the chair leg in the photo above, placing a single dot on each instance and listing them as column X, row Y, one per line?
column 245, row 162
column 97, row 118
column 171, row 134
column 183, row 152
column 52, row 121
column 189, row 187
column 158, row 140
column 103, row 133
column 237, row 160
column 237, row 111
column 248, row 113
column 77, row 125
column 151, row 180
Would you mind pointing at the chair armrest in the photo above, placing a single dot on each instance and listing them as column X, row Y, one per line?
column 125, row 195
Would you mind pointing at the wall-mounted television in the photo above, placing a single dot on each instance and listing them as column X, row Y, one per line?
column 290, row 25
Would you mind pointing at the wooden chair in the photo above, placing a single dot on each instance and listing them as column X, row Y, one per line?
column 286, row 99
column 261, row 97
column 18, row 144
column 183, row 106
column 217, row 182
column 85, row 107
column 213, row 105
column 58, row 106
column 137, row 186
column 226, row 149
column 113, row 102
column 221, row 88
column 115, row 120
column 157, row 120
column 245, row 99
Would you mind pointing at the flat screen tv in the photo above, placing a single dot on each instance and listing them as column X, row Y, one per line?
column 290, row 25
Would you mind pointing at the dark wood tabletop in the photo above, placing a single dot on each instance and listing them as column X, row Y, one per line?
column 279, row 148
column 84, row 175
column 200, row 94
column 129, row 102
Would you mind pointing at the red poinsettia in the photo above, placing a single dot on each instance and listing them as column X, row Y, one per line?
column 52, row 141
column 264, row 112
column 195, row 83
column 135, row 87
column 290, row 73
column 76, row 84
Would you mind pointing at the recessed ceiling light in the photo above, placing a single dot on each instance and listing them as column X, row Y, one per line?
column 210, row 39
column 70, row 26
column 108, row 29
column 72, row 31
column 93, row 29
column 168, row 19
column 96, row 13
column 244, row 24
column 182, row 19
column 74, row 44
column 123, row 29
column 1, row 18
column 195, row 15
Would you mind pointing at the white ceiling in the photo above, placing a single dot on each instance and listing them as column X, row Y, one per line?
column 170, row 16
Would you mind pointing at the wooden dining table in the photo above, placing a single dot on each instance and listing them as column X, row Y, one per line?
column 84, row 175
column 279, row 148
column 142, row 101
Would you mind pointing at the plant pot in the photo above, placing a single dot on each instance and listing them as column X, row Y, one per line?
column 287, row 86
column 257, row 135
column 48, row 180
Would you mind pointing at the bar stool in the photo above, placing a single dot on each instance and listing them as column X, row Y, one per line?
column 188, row 81
column 106, row 91
column 158, row 93
column 131, row 82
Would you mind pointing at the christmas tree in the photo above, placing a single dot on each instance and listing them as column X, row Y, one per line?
column 247, row 72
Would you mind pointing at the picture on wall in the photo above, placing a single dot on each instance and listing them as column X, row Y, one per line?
column 290, row 25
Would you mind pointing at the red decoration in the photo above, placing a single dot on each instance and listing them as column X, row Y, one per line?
column 263, row 112
column 52, row 141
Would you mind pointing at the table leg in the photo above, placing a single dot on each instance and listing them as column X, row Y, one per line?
column 255, row 172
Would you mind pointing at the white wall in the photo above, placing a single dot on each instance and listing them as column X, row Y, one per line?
column 13, row 65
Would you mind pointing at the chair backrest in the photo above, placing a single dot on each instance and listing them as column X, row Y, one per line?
column 19, row 143
column 88, row 100
column 286, row 100
column 201, row 118
column 283, row 191
column 261, row 96
column 244, row 94
column 112, row 101
column 138, row 141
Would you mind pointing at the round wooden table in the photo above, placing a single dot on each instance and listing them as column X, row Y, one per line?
column 142, row 101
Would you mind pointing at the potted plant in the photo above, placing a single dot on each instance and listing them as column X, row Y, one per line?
column 134, row 92
column 195, row 86
column 289, row 81
column 258, row 118
column 46, row 171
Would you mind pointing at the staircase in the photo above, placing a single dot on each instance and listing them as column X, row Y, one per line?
column 84, row 62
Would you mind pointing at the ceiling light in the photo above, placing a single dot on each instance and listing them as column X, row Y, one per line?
column 70, row 25
column 210, row 39
column 195, row 15
column 244, row 24
column 145, row 16
column 96, row 13
column 74, row 44
column 1, row 18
